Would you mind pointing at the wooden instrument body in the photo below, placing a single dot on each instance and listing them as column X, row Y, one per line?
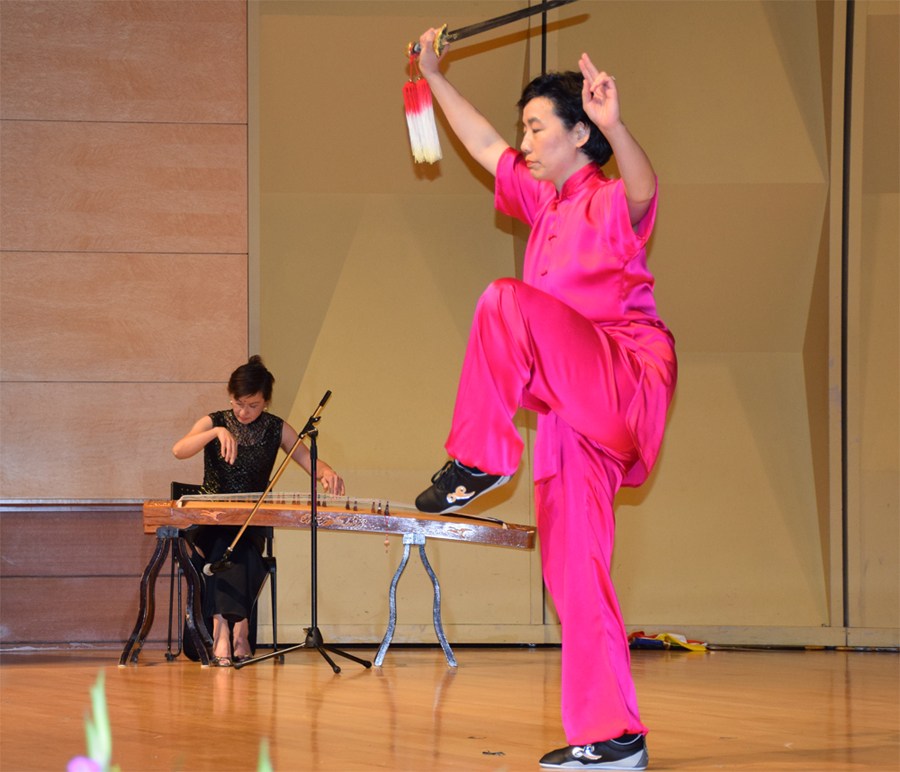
column 336, row 515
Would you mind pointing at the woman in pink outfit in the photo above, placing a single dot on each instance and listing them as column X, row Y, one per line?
column 579, row 341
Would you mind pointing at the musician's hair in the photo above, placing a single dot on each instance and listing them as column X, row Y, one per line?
column 251, row 378
column 563, row 89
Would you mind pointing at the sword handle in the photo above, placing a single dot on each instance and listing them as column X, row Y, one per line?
column 440, row 41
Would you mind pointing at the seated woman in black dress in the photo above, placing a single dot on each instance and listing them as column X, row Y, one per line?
column 239, row 451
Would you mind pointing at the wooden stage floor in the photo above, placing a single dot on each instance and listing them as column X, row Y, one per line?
column 498, row 711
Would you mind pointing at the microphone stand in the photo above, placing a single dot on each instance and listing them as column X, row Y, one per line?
column 314, row 639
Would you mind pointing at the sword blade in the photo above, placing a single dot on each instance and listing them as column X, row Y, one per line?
column 498, row 21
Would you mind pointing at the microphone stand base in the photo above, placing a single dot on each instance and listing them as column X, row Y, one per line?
column 314, row 640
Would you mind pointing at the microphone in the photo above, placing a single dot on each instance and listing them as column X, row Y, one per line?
column 222, row 564
column 314, row 418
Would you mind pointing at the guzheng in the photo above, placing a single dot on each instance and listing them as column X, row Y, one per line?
column 167, row 519
column 334, row 513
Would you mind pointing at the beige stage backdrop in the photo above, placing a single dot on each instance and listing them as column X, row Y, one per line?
column 184, row 183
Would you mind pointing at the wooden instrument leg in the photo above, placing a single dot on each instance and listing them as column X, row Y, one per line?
column 175, row 575
column 168, row 536
column 194, row 625
column 146, row 611
column 408, row 540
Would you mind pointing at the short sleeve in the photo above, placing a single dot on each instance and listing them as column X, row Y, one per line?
column 516, row 192
column 621, row 237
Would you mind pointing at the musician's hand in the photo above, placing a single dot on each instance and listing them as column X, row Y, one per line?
column 228, row 444
column 428, row 59
column 330, row 480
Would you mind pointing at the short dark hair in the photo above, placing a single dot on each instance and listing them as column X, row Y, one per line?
column 251, row 378
column 563, row 89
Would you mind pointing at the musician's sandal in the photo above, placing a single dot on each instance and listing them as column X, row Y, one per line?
column 240, row 651
column 221, row 634
column 238, row 658
column 245, row 654
column 454, row 486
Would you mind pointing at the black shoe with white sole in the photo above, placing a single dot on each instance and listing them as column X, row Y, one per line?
column 454, row 486
column 626, row 752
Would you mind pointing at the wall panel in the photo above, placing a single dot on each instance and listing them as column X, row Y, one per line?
column 873, row 329
column 135, row 187
column 142, row 317
column 93, row 440
column 178, row 61
column 82, row 584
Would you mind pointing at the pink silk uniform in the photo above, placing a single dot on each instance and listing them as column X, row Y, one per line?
column 579, row 342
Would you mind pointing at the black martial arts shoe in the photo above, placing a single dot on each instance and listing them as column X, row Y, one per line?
column 454, row 486
column 626, row 752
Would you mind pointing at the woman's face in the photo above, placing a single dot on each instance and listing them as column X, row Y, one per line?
column 552, row 152
column 247, row 409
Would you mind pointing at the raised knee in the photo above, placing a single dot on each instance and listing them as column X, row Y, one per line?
column 499, row 299
column 503, row 285
column 499, row 290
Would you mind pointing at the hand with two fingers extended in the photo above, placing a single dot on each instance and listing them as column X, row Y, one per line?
column 599, row 94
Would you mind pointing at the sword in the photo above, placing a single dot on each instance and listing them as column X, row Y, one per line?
column 444, row 37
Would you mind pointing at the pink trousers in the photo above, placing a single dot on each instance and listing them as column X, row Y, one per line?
column 528, row 349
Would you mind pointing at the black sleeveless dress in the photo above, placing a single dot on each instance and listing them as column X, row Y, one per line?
column 232, row 592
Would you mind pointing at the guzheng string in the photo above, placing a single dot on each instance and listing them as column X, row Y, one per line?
column 333, row 501
column 374, row 506
column 417, row 101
